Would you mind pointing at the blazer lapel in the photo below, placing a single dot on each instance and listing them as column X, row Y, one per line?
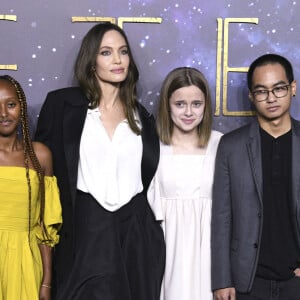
column 254, row 152
column 295, row 164
column 74, row 117
column 150, row 140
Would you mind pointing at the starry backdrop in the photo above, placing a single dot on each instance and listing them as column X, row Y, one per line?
column 44, row 42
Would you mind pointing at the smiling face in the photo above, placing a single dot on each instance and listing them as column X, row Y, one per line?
column 113, row 59
column 10, row 109
column 266, row 78
column 187, row 109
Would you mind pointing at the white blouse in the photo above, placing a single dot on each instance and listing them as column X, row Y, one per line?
column 109, row 169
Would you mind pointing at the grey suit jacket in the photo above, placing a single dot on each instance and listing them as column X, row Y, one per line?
column 237, row 205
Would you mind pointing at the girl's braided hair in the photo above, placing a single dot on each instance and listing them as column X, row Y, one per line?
column 29, row 156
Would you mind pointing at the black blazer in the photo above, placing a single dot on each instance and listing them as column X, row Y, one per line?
column 60, row 126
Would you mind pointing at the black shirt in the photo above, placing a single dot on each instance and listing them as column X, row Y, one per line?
column 278, row 251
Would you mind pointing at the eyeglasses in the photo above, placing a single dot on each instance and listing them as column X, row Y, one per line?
column 278, row 92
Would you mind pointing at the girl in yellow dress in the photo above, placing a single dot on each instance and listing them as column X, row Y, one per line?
column 30, row 211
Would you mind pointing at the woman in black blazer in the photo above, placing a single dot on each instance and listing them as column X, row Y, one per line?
column 105, row 151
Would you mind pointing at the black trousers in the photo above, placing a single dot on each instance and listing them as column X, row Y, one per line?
column 118, row 255
column 263, row 289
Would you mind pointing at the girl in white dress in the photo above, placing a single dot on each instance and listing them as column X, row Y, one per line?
column 181, row 191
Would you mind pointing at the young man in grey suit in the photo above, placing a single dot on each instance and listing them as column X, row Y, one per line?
column 256, row 194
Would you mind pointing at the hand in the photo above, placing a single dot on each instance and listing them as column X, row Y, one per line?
column 45, row 293
column 225, row 294
column 297, row 272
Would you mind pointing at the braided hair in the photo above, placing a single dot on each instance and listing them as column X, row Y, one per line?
column 30, row 156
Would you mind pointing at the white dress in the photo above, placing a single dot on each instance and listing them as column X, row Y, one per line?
column 180, row 195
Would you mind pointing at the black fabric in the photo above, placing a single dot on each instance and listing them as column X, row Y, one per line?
column 278, row 252
column 118, row 255
column 60, row 126
column 273, row 290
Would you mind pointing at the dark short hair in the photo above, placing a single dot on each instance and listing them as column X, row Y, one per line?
column 176, row 79
column 270, row 59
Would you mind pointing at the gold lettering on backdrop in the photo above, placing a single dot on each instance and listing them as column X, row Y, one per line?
column 121, row 21
column 9, row 67
column 219, row 66
column 118, row 21
column 94, row 19
column 8, row 18
column 223, row 47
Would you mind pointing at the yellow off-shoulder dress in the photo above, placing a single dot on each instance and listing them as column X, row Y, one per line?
column 20, row 259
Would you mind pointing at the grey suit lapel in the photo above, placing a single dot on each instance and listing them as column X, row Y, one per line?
column 295, row 164
column 254, row 152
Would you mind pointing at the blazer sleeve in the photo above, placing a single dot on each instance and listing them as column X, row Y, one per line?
column 221, row 222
